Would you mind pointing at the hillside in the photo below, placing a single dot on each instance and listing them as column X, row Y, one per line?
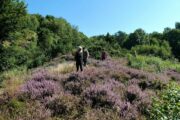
column 106, row 90
column 139, row 81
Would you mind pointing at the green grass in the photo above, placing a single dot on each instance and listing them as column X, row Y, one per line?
column 152, row 64
column 11, row 80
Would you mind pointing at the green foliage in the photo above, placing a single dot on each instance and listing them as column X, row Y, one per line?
column 167, row 106
column 177, row 25
column 96, row 46
column 30, row 21
column 14, row 108
column 136, row 38
column 121, row 37
column 11, row 12
column 21, row 51
column 30, row 40
column 152, row 64
column 162, row 52
column 173, row 37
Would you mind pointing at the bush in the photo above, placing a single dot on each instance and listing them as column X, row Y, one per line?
column 40, row 86
column 152, row 64
column 167, row 106
column 15, row 107
column 154, row 50
column 133, row 93
column 102, row 96
column 128, row 111
column 99, row 114
column 65, row 106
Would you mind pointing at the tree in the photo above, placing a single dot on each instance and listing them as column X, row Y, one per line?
column 20, row 51
column 136, row 38
column 11, row 12
column 31, row 22
column 156, row 35
column 173, row 37
column 166, row 30
column 121, row 37
column 177, row 25
column 109, row 38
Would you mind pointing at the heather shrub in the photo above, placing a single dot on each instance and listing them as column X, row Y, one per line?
column 167, row 106
column 157, row 84
column 133, row 81
column 40, row 86
column 65, row 106
column 144, row 104
column 15, row 108
column 152, row 84
column 175, row 75
column 120, row 76
column 94, row 75
column 99, row 114
column 137, row 95
column 116, row 87
column 11, row 109
column 101, row 96
column 128, row 111
column 143, row 84
column 36, row 111
column 133, row 93
column 77, row 82
column 73, row 84
column 18, row 110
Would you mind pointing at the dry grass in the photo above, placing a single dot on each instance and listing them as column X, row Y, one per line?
column 62, row 68
column 12, row 80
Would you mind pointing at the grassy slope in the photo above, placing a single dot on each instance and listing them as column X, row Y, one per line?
column 77, row 105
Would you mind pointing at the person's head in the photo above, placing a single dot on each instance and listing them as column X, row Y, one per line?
column 79, row 48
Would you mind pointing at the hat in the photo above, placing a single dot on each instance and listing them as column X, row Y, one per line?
column 80, row 47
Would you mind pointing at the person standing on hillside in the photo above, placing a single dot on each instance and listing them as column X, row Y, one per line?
column 85, row 56
column 103, row 55
column 79, row 59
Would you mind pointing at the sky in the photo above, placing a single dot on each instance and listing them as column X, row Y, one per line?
column 95, row 17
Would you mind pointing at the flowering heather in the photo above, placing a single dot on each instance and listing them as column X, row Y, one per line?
column 133, row 93
column 77, row 82
column 94, row 74
column 101, row 96
column 40, row 86
column 144, row 103
column 105, row 89
column 174, row 75
column 128, row 111
column 64, row 106
column 133, row 81
column 74, row 84
column 36, row 111
column 114, row 66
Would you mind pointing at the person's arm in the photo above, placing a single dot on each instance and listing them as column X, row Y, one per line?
column 87, row 54
column 75, row 56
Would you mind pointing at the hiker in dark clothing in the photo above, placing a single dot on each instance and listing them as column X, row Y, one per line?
column 103, row 55
column 79, row 59
column 85, row 56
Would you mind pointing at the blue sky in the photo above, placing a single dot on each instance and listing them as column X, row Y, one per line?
column 94, row 17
